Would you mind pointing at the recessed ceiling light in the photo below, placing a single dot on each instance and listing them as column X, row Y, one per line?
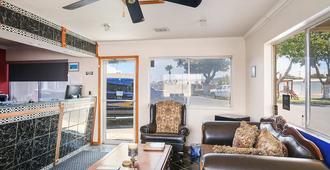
column 162, row 29
column 106, row 27
column 203, row 22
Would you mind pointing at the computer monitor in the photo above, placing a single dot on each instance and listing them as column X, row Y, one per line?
column 3, row 97
column 73, row 91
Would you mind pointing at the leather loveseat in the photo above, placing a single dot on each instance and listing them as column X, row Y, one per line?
column 302, row 153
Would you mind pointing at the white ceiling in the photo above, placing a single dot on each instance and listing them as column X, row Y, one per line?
column 225, row 18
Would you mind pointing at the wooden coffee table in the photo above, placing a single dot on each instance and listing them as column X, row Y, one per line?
column 147, row 160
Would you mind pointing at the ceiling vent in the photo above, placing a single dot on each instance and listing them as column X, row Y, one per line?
column 162, row 29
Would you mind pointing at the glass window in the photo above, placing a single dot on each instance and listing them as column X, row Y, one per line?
column 210, row 82
column 52, row 90
column 24, row 91
column 290, row 78
column 37, row 91
column 195, row 81
column 320, row 78
column 168, row 80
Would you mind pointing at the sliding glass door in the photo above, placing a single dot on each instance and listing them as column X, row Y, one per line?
column 302, row 82
column 319, row 113
column 290, row 80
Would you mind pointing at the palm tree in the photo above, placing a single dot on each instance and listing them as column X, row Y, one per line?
column 169, row 68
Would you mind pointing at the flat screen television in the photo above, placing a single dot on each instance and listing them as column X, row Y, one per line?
column 73, row 91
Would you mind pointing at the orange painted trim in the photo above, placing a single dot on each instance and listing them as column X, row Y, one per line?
column 118, row 57
column 94, row 116
column 59, row 134
column 137, row 65
column 27, row 112
column 63, row 39
column 97, row 49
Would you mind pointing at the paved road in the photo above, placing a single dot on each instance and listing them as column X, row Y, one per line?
column 320, row 117
column 205, row 102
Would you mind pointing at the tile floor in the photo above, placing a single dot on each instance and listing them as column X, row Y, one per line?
column 179, row 162
column 187, row 163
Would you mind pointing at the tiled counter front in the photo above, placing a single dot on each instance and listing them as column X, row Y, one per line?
column 30, row 134
column 77, row 126
column 28, row 141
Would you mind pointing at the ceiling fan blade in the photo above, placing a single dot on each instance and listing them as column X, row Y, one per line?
column 190, row 3
column 79, row 4
column 135, row 11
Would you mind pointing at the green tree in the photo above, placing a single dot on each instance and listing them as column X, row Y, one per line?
column 169, row 68
column 320, row 53
column 294, row 49
column 207, row 67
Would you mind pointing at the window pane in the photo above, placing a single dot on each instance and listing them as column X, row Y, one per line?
column 320, row 78
column 210, row 82
column 52, row 91
column 168, row 80
column 290, row 78
column 24, row 91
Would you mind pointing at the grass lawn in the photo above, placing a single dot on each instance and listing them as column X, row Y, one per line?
column 313, row 102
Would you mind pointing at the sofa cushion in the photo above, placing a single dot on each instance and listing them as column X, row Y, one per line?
column 245, row 135
column 254, row 162
column 273, row 147
column 168, row 117
column 235, row 150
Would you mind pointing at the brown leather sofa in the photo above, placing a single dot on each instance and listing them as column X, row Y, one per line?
column 303, row 154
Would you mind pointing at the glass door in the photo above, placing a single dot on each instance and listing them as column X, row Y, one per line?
column 119, row 114
column 290, row 81
column 302, row 79
column 319, row 78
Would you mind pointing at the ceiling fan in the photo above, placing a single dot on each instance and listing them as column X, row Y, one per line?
column 134, row 6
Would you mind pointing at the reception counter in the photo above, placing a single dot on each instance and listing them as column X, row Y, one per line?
column 36, row 135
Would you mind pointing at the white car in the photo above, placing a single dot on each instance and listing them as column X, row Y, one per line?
column 222, row 91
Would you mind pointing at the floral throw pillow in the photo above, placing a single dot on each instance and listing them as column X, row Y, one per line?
column 235, row 150
column 272, row 146
column 245, row 135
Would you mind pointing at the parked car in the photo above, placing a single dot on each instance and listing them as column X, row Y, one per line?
column 223, row 91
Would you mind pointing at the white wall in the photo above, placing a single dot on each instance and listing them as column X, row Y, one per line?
column 85, row 64
column 258, row 98
column 185, row 47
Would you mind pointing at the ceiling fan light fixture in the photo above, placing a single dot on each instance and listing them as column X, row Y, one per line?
column 162, row 29
column 131, row 1
column 203, row 22
column 106, row 27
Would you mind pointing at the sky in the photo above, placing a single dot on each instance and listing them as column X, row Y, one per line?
column 122, row 66
column 158, row 72
column 296, row 70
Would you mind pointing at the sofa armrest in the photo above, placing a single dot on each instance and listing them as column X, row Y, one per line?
column 215, row 161
column 183, row 130
column 149, row 128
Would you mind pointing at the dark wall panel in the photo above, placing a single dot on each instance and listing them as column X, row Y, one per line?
column 39, row 71
column 3, row 73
